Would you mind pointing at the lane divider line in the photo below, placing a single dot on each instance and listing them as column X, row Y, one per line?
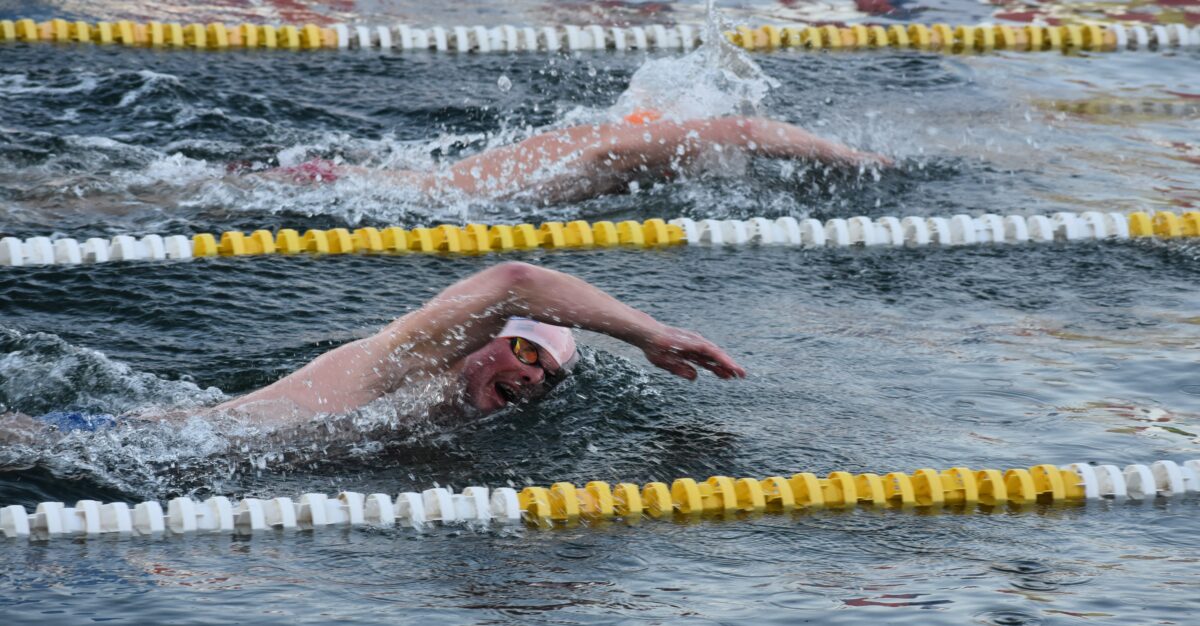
column 911, row 231
column 1158, row 107
column 977, row 38
column 957, row 489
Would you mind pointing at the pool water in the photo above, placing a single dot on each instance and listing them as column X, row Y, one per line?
column 859, row 359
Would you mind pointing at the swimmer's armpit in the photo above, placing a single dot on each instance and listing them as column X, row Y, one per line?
column 324, row 172
column 313, row 171
column 18, row 428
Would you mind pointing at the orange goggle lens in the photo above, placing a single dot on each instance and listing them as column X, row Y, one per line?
column 525, row 351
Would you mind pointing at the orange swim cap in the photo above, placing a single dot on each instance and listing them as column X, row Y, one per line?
column 643, row 116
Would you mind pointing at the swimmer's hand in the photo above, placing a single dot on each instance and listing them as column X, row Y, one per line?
column 871, row 159
column 780, row 140
column 677, row 350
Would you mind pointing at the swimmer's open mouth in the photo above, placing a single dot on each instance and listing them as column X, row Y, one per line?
column 506, row 392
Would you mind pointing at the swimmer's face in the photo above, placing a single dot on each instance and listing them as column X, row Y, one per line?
column 495, row 377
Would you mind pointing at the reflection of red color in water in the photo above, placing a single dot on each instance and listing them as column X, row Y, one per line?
column 298, row 11
column 1148, row 18
column 642, row 8
column 874, row 7
column 924, row 604
column 1017, row 16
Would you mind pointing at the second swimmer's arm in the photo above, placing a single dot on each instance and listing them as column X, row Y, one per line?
column 669, row 143
column 628, row 149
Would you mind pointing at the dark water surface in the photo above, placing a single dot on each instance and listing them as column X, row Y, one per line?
column 859, row 360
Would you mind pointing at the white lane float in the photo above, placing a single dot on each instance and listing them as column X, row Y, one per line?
column 473, row 505
column 911, row 231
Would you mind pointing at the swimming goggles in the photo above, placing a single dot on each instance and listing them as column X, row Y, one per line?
column 530, row 353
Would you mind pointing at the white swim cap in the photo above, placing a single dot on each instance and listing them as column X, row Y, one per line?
column 557, row 341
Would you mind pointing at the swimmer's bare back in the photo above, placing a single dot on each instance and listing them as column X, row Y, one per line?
column 586, row 161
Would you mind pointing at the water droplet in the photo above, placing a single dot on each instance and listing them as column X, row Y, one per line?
column 504, row 83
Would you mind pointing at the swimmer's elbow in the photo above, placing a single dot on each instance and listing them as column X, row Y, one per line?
column 514, row 285
column 512, row 277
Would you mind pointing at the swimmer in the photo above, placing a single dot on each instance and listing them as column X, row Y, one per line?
column 499, row 337
column 582, row 162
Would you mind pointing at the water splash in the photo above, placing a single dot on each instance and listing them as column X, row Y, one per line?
column 715, row 79
column 39, row 373
column 167, row 439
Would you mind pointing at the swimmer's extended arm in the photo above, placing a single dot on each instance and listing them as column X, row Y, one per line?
column 597, row 158
column 462, row 319
column 677, row 143
column 471, row 312
column 651, row 149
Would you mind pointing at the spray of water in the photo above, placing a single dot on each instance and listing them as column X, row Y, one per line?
column 713, row 80
column 166, row 439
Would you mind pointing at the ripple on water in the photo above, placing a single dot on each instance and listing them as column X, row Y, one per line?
column 993, row 407
column 1035, row 584
column 1163, row 525
column 1008, row 617
column 1024, row 568
column 577, row 550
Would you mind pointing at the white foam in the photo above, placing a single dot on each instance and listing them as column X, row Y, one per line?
column 713, row 80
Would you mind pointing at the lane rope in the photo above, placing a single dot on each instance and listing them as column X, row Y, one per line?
column 978, row 38
column 957, row 489
column 956, row 230
column 1156, row 107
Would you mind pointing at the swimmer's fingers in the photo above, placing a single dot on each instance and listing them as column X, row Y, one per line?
column 714, row 360
column 869, row 159
column 678, row 350
column 673, row 364
column 683, row 366
column 880, row 160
